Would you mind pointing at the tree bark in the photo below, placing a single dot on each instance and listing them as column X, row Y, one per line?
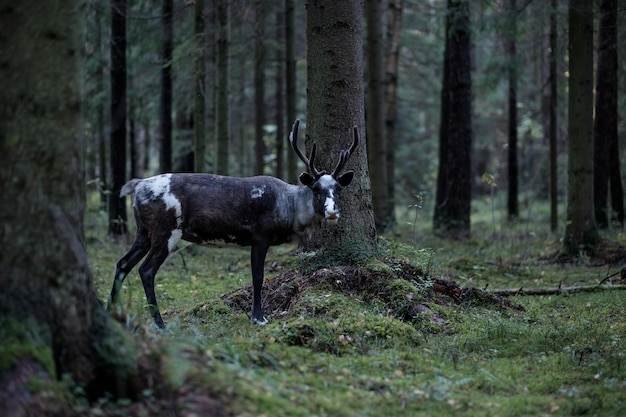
column 166, row 85
column 290, row 78
column 512, row 201
column 279, row 114
column 452, row 207
column 375, row 120
column 580, row 232
column 200, row 84
column 259, row 89
column 117, row 205
column 394, row 26
column 222, row 115
column 554, row 194
column 605, row 134
column 50, row 316
column 335, row 100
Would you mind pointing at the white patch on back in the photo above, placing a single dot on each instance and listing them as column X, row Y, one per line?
column 257, row 192
column 158, row 187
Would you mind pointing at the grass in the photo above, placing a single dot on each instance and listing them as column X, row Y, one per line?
column 340, row 353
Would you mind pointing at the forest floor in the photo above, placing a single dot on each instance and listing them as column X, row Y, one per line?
column 420, row 331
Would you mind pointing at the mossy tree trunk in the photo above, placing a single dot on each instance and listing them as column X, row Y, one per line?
column 335, row 101
column 581, row 232
column 51, row 322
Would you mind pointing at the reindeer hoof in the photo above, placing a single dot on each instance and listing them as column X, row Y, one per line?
column 262, row 321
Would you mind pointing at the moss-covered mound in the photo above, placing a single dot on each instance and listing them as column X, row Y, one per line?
column 403, row 289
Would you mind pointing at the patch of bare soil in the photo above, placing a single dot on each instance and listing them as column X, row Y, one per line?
column 283, row 291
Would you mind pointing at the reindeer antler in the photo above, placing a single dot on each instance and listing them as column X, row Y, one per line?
column 293, row 139
column 345, row 154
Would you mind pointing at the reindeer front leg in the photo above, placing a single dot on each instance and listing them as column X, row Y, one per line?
column 257, row 255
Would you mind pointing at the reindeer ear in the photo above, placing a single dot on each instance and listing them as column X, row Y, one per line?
column 306, row 179
column 345, row 178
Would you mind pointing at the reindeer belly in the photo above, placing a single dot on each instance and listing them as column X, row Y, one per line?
column 217, row 238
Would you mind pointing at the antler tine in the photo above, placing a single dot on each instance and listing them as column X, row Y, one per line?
column 293, row 139
column 344, row 155
column 312, row 168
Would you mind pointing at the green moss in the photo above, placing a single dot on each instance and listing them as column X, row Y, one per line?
column 20, row 338
column 353, row 253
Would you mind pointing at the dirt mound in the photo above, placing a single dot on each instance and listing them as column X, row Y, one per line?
column 385, row 282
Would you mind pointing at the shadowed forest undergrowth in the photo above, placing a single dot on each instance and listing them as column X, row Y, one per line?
column 418, row 331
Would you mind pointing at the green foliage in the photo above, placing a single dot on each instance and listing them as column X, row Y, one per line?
column 24, row 338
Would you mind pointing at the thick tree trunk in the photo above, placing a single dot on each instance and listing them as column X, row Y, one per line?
column 117, row 204
column 334, row 105
column 376, row 139
column 452, row 209
column 580, row 232
column 166, row 86
column 222, row 116
column 51, row 322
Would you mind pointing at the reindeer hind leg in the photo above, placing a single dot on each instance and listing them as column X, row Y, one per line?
column 137, row 251
column 161, row 248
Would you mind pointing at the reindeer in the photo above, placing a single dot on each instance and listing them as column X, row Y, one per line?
column 210, row 209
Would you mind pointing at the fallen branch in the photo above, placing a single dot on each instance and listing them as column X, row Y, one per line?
column 555, row 291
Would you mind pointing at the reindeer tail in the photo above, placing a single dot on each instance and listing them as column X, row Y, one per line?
column 129, row 187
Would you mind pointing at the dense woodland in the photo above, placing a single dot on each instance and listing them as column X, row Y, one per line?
column 215, row 86
column 515, row 102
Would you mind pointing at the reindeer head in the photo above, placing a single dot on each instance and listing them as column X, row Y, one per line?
column 325, row 186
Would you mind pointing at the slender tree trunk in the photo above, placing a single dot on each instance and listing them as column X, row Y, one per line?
column 290, row 78
column 117, row 204
column 376, row 139
column 103, row 169
column 200, row 84
column 452, row 209
column 513, row 210
column 259, row 88
column 335, row 100
column 554, row 195
column 51, row 321
column 222, row 116
column 606, row 120
column 280, row 97
column 580, row 232
column 132, row 139
column 394, row 25
column 166, row 86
